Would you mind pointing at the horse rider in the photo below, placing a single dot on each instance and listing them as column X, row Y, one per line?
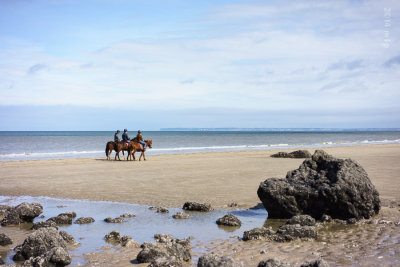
column 116, row 137
column 125, row 137
column 139, row 139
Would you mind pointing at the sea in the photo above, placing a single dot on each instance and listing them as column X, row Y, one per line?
column 36, row 145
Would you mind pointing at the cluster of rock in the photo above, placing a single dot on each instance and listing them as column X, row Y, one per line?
column 63, row 218
column 298, row 154
column 125, row 240
column 322, row 185
column 298, row 227
column 194, row 206
column 229, row 220
column 166, row 251
column 22, row 213
column 45, row 247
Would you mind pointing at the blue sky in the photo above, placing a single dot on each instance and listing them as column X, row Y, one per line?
column 101, row 65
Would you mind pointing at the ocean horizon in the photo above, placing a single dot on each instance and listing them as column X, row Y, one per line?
column 34, row 145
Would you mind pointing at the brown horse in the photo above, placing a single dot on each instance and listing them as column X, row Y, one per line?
column 110, row 146
column 137, row 147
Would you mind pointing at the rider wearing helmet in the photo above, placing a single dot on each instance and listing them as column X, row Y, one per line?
column 125, row 136
column 139, row 138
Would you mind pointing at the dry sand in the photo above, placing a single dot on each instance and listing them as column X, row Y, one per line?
column 170, row 180
column 220, row 179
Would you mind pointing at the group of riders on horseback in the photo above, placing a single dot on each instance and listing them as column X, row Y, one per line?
column 137, row 144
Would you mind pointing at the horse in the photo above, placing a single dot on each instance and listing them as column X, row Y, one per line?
column 137, row 147
column 110, row 146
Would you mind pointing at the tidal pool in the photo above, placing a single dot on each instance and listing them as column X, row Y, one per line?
column 201, row 226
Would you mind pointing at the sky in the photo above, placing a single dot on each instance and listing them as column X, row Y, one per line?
column 114, row 64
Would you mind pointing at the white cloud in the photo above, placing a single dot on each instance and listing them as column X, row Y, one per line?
column 276, row 55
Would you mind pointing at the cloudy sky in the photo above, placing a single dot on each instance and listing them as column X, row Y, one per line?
column 107, row 64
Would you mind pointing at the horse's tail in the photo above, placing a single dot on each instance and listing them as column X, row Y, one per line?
column 107, row 150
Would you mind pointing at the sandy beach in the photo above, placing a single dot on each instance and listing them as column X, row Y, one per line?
column 220, row 179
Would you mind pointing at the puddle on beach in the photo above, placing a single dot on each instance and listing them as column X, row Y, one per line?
column 201, row 226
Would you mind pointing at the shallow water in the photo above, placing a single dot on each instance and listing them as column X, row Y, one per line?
column 201, row 226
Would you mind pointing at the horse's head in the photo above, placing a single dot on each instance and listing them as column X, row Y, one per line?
column 149, row 143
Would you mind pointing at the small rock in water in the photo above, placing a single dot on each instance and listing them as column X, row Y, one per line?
column 229, row 220
column 1, row 261
column 5, row 240
column 162, row 210
column 63, row 218
column 127, row 215
column 84, row 220
column 194, row 206
column 181, row 215
column 113, row 236
column 211, row 260
column 114, row 220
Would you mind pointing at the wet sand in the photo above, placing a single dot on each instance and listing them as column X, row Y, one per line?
column 221, row 178
column 170, row 180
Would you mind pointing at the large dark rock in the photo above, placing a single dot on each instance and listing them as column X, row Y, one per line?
column 229, row 220
column 56, row 257
column 321, row 185
column 298, row 154
column 5, row 240
column 194, row 206
column 40, row 242
column 165, row 247
column 213, row 260
column 22, row 213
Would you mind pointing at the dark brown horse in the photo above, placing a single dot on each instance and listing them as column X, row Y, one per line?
column 137, row 147
column 111, row 146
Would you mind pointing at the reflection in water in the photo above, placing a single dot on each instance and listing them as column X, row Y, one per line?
column 142, row 227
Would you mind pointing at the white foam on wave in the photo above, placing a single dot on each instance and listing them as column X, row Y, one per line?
column 38, row 155
column 44, row 154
